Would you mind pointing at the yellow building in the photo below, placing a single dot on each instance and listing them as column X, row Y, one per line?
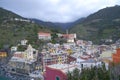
column 3, row 54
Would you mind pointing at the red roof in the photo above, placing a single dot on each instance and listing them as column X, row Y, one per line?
column 43, row 34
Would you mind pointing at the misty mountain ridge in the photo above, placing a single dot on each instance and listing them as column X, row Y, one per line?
column 99, row 26
column 57, row 25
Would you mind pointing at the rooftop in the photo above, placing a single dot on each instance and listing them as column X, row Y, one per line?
column 64, row 67
column 90, row 61
column 43, row 33
column 17, row 59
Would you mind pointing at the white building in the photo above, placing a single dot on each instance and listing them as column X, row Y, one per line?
column 44, row 36
column 14, row 48
column 24, row 42
column 88, row 63
column 31, row 53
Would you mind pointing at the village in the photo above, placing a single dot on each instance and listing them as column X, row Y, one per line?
column 55, row 59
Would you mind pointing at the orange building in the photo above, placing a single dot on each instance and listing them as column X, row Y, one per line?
column 116, row 56
column 3, row 54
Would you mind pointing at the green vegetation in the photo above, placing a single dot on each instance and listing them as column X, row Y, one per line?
column 96, row 73
column 93, row 73
column 104, row 24
column 12, row 31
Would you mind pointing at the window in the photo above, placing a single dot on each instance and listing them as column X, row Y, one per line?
column 57, row 78
column 82, row 65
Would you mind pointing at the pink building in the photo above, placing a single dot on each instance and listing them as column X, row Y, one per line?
column 69, row 36
column 18, row 54
column 58, row 71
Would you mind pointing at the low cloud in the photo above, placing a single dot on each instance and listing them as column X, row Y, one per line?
column 56, row 10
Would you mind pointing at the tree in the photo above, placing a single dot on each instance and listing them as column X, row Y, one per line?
column 93, row 73
column 54, row 37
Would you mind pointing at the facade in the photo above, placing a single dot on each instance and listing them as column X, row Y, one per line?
column 54, row 59
column 44, row 36
column 106, row 54
column 53, row 54
column 21, row 66
column 58, row 71
column 3, row 54
column 19, row 54
column 23, row 62
column 31, row 53
column 88, row 63
column 116, row 56
column 24, row 42
column 14, row 48
column 70, row 37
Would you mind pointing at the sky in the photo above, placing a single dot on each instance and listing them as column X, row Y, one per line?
column 56, row 10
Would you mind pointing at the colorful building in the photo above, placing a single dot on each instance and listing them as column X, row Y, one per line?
column 59, row 71
column 116, row 56
column 23, row 62
column 3, row 54
column 29, row 54
column 54, row 59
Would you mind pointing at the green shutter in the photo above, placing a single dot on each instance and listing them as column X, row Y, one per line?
column 57, row 78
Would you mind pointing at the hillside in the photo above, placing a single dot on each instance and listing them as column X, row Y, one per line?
column 61, row 27
column 49, row 25
column 4, row 14
column 14, row 28
column 100, row 26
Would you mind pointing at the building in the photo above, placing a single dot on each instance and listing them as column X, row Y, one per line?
column 55, row 58
column 31, row 53
column 116, row 56
column 106, row 54
column 90, row 63
column 3, row 54
column 23, row 62
column 18, row 54
column 13, row 48
column 44, row 36
column 19, row 65
column 70, row 37
column 59, row 71
column 24, row 42
column 53, row 54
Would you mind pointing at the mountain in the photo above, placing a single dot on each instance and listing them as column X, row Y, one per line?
column 5, row 14
column 57, row 25
column 14, row 28
column 100, row 26
column 68, row 25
